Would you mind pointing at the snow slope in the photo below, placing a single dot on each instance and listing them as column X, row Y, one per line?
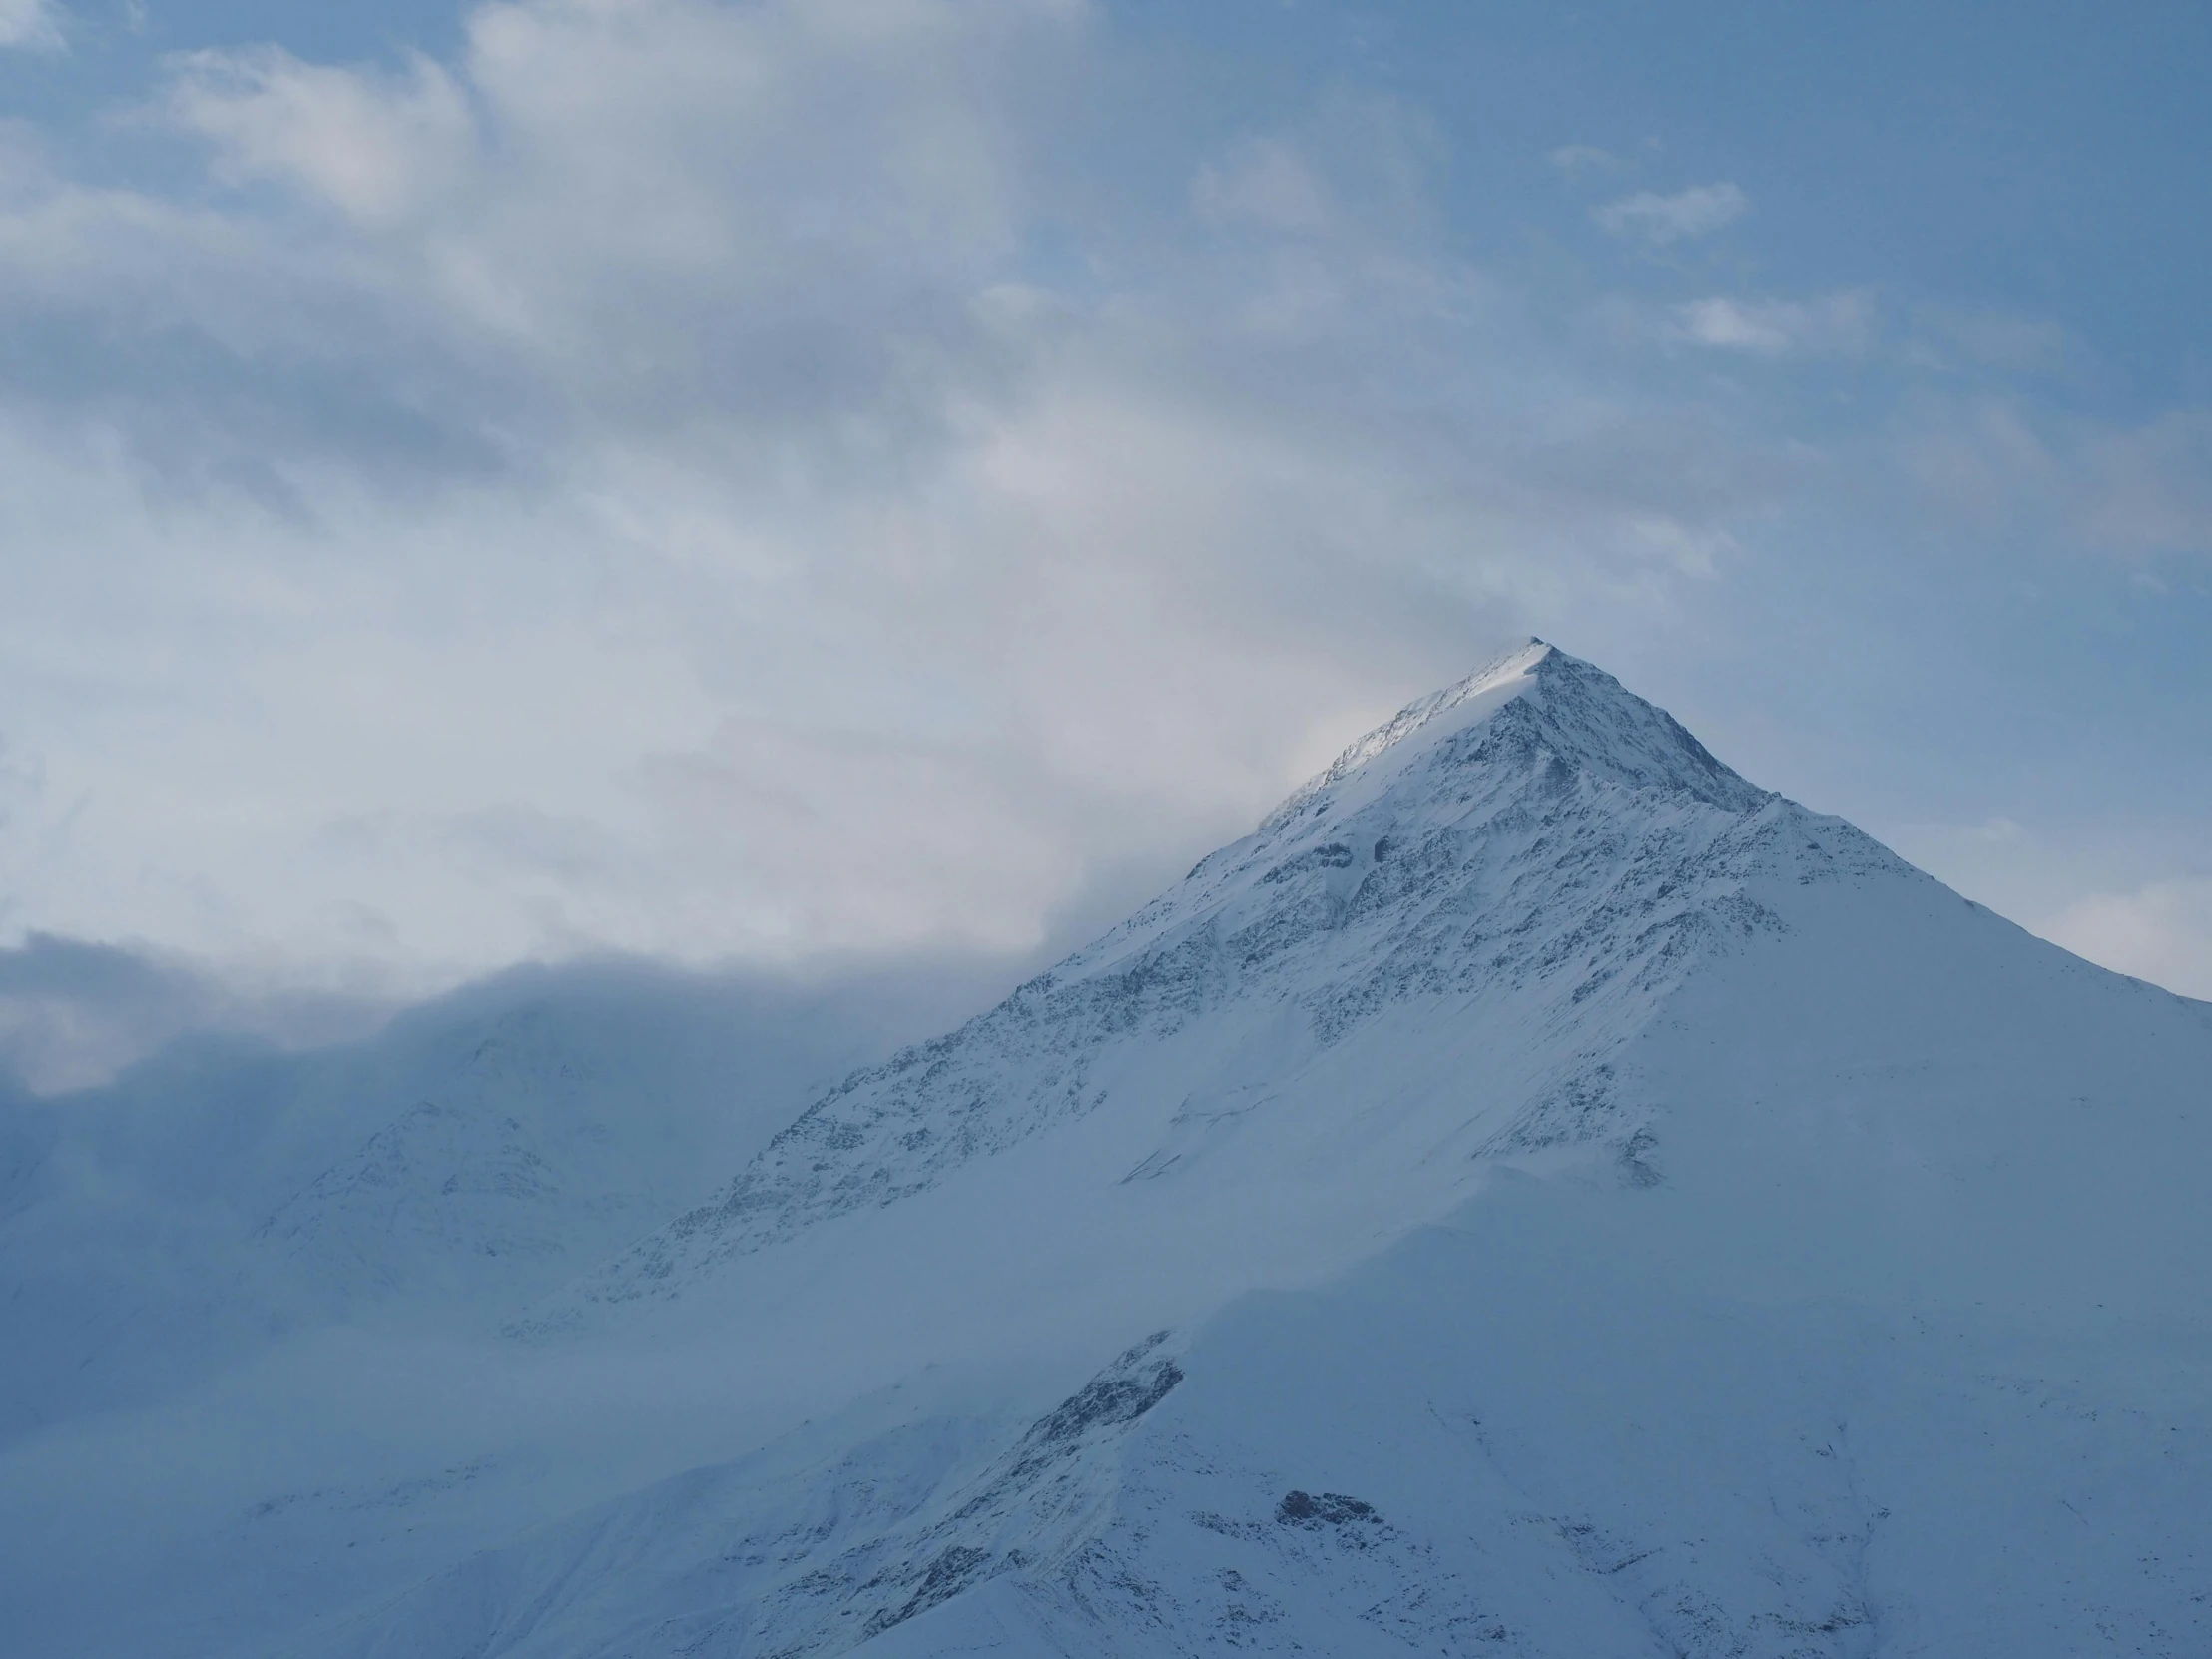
column 1537, row 1195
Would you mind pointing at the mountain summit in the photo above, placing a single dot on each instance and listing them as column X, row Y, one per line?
column 1577, row 712
column 1537, row 1195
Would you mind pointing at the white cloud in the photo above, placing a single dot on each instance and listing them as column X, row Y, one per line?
column 2161, row 932
column 1576, row 160
column 31, row 25
column 1839, row 322
column 712, row 481
column 375, row 147
column 1696, row 211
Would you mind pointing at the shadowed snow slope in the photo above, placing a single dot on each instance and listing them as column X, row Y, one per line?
column 1538, row 1194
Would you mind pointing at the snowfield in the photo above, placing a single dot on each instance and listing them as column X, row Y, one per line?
column 1538, row 1194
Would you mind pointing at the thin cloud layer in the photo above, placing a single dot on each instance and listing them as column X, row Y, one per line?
column 31, row 25
column 71, row 1013
column 1838, row 322
column 1697, row 211
column 2132, row 491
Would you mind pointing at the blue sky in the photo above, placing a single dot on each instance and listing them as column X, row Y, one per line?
column 788, row 481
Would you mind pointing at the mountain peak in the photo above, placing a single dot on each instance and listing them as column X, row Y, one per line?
column 1495, row 682
column 1532, row 702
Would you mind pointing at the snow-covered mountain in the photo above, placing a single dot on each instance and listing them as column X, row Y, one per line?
column 1540, row 1195
column 1425, row 956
